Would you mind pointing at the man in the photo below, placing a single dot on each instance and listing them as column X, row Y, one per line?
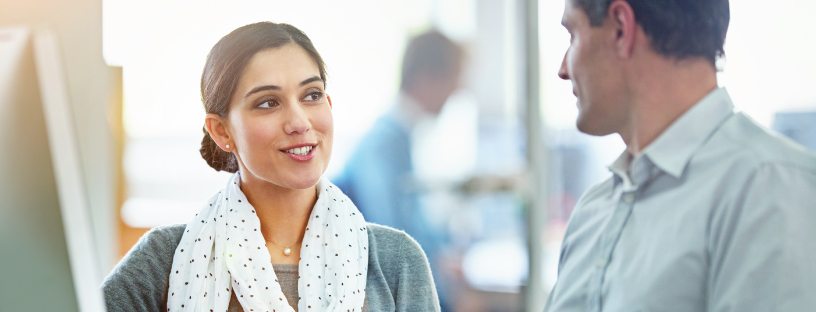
column 379, row 176
column 705, row 210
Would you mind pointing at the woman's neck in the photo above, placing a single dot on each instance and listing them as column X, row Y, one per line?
column 283, row 212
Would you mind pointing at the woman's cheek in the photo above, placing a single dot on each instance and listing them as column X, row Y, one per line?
column 261, row 138
column 325, row 123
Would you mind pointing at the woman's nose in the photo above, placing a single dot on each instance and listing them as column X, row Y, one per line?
column 297, row 121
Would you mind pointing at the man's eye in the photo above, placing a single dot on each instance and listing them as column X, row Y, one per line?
column 314, row 96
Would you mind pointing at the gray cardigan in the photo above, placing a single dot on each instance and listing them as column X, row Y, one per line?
column 399, row 278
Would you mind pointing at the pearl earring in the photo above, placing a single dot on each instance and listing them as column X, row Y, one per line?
column 227, row 146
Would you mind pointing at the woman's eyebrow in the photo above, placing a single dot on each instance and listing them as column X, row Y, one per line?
column 277, row 88
column 310, row 80
column 261, row 88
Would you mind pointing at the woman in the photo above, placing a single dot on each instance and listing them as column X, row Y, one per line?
column 278, row 237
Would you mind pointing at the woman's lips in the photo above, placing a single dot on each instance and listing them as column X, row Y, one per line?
column 302, row 158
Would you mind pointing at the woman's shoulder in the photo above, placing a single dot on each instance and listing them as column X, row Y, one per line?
column 399, row 277
column 389, row 239
column 139, row 281
column 167, row 234
column 391, row 248
column 383, row 232
column 158, row 241
column 155, row 244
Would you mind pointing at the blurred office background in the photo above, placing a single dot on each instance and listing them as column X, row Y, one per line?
column 500, row 168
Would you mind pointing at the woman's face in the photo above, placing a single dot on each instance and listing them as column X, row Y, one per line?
column 280, row 119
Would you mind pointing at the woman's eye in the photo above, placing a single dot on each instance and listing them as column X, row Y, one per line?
column 268, row 104
column 314, row 96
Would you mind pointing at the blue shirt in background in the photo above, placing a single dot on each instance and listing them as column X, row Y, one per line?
column 379, row 180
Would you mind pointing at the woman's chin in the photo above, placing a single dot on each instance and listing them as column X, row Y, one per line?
column 302, row 182
column 296, row 180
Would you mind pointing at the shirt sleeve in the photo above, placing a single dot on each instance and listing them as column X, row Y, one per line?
column 140, row 280
column 762, row 250
column 415, row 287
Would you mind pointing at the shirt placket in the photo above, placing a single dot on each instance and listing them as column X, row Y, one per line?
column 605, row 246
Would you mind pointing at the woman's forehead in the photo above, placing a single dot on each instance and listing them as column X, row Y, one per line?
column 285, row 66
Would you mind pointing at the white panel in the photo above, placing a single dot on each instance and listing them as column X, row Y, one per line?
column 70, row 185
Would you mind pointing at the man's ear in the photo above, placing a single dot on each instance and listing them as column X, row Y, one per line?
column 623, row 18
column 217, row 128
column 329, row 98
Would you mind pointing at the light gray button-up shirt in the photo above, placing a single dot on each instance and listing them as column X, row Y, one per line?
column 717, row 214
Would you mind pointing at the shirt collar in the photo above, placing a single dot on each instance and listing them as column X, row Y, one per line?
column 673, row 149
column 620, row 168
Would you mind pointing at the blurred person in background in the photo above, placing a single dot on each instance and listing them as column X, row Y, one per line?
column 379, row 176
column 705, row 210
column 279, row 236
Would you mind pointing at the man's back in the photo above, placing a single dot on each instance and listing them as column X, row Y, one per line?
column 716, row 216
column 375, row 174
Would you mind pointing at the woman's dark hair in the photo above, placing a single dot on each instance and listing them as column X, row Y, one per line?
column 224, row 67
column 677, row 28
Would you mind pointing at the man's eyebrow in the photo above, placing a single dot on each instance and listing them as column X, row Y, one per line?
column 564, row 23
column 277, row 88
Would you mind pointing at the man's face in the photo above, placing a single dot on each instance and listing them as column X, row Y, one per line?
column 597, row 81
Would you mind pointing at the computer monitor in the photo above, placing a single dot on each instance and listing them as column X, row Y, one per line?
column 47, row 259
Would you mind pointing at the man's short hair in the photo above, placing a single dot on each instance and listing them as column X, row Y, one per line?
column 429, row 53
column 677, row 28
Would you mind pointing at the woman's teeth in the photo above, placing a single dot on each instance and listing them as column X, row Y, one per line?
column 302, row 151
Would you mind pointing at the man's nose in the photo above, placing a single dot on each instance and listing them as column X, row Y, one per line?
column 562, row 72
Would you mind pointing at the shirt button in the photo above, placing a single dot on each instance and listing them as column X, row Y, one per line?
column 628, row 198
column 601, row 263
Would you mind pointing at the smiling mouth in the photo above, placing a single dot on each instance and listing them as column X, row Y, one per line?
column 301, row 151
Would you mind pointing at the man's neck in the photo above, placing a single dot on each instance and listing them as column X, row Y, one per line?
column 410, row 111
column 662, row 91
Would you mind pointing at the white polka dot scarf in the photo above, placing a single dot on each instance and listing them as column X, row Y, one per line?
column 223, row 250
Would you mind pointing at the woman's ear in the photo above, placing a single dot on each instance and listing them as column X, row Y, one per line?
column 329, row 98
column 217, row 128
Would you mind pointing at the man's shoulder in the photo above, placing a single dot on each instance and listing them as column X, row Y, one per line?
column 751, row 145
column 387, row 127
column 384, row 142
column 601, row 189
column 592, row 204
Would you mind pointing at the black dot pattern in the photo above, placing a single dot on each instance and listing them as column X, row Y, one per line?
column 333, row 257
